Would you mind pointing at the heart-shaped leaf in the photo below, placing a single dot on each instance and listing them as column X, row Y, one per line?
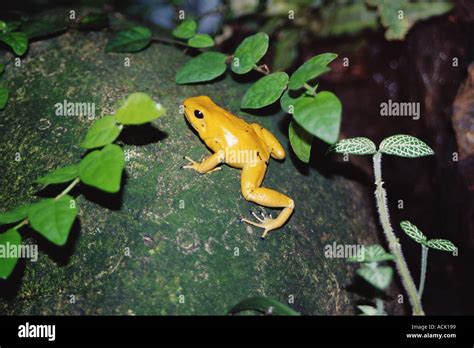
column 207, row 66
column 185, row 30
column 300, row 141
column 130, row 40
column 103, row 168
column 288, row 101
column 17, row 40
column 94, row 21
column 8, row 239
column 38, row 29
column 60, row 175
column 311, row 69
column 201, row 41
column 320, row 115
column 265, row 91
column 249, row 53
column 138, row 108
column 53, row 218
column 372, row 253
column 379, row 277
column 14, row 215
column 102, row 132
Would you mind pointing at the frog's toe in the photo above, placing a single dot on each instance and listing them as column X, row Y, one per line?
column 266, row 223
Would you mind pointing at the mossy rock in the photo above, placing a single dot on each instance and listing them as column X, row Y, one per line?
column 169, row 232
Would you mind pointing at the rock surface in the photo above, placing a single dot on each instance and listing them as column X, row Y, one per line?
column 189, row 253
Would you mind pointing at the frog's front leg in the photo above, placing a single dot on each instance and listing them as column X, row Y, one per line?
column 207, row 165
column 252, row 177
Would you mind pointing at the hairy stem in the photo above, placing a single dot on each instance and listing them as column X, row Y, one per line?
column 393, row 243
column 424, row 263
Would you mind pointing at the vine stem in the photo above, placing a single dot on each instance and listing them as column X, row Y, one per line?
column 424, row 263
column 393, row 243
column 65, row 192
column 67, row 189
column 169, row 41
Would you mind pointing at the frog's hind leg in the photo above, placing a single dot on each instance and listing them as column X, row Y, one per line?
column 252, row 177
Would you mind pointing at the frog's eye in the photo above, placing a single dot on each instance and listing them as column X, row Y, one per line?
column 198, row 114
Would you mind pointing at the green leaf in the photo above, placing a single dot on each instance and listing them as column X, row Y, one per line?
column 64, row 174
column 355, row 146
column 285, row 49
column 287, row 102
column 13, row 25
column 205, row 67
column 102, row 132
column 53, row 218
column 263, row 305
column 38, row 29
column 3, row 26
column 405, row 146
column 103, row 168
column 94, row 21
column 378, row 276
column 18, row 41
column 249, row 53
column 8, row 239
column 139, row 108
column 4, row 92
column 185, row 30
column 413, row 232
column 372, row 253
column 441, row 244
column 2, row 68
column 14, row 215
column 265, row 91
column 201, row 41
column 320, row 115
column 300, row 141
column 311, row 69
column 399, row 23
column 367, row 310
column 130, row 40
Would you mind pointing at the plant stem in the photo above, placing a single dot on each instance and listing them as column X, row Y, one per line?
column 67, row 189
column 65, row 192
column 424, row 263
column 22, row 223
column 310, row 89
column 379, row 306
column 261, row 70
column 393, row 243
column 169, row 41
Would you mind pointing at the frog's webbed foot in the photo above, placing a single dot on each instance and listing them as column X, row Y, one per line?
column 267, row 223
column 208, row 165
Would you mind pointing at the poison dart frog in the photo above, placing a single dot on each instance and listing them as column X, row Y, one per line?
column 240, row 145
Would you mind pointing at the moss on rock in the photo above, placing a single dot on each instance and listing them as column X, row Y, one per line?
column 182, row 229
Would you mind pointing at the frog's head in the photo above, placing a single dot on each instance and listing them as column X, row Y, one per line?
column 200, row 112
